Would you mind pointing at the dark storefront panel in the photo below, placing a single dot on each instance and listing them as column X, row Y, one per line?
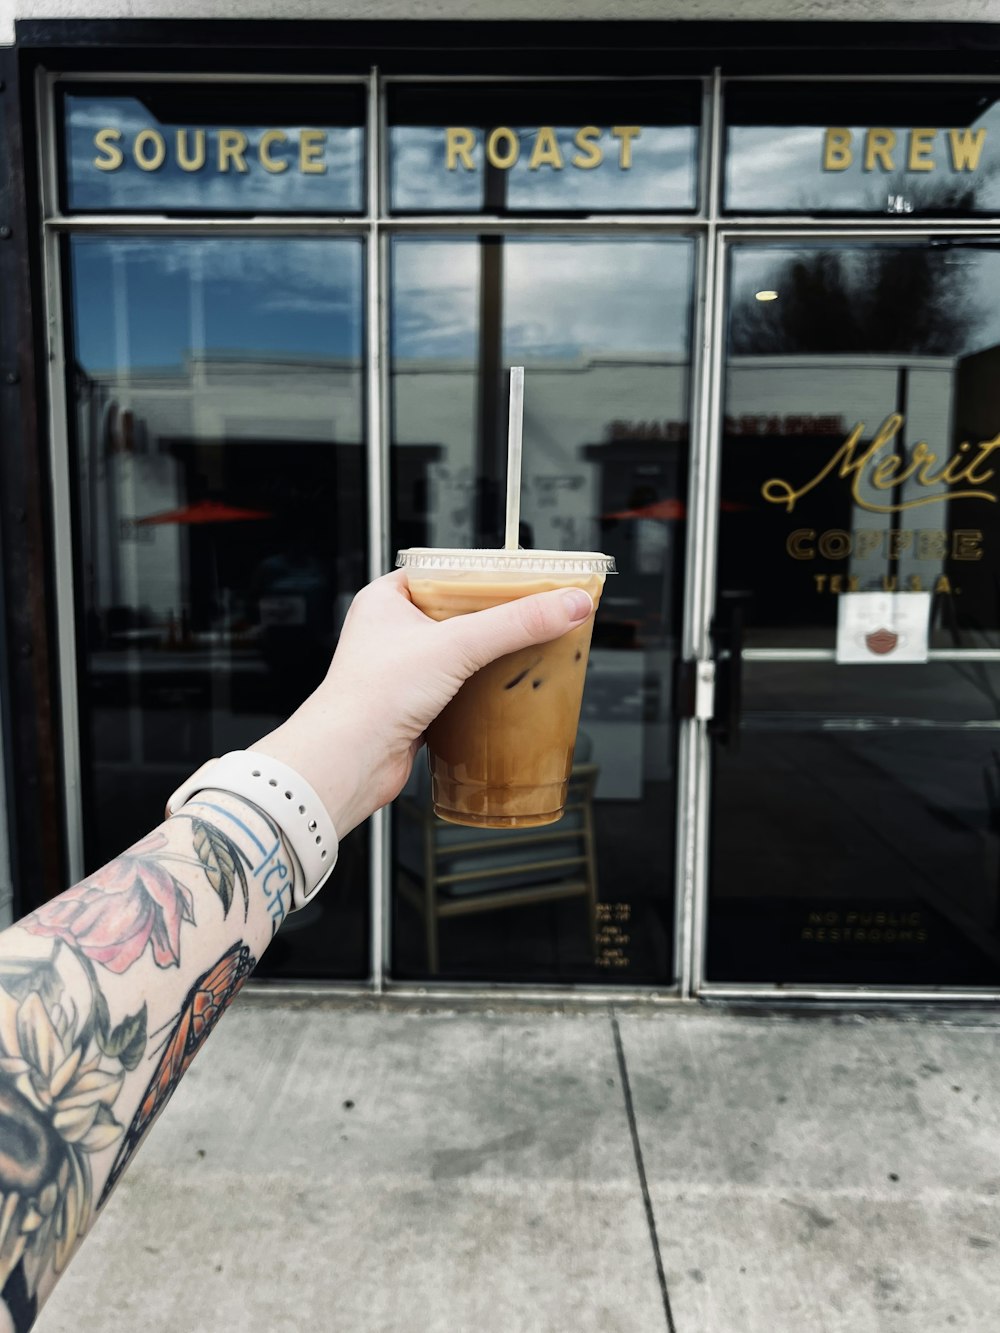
column 603, row 329
column 856, row 828
column 218, row 467
column 890, row 148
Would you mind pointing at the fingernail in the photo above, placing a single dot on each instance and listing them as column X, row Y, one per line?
column 578, row 603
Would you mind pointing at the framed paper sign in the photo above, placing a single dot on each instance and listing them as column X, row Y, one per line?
column 883, row 627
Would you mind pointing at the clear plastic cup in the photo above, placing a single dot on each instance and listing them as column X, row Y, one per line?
column 501, row 752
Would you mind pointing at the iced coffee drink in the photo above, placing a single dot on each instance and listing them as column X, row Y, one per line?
column 501, row 752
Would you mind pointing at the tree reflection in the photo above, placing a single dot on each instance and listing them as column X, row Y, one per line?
column 895, row 300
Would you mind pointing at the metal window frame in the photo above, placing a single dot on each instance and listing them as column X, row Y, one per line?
column 715, row 234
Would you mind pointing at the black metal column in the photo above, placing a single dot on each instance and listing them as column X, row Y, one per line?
column 27, row 681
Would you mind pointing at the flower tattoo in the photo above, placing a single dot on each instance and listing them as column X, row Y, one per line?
column 112, row 915
column 56, row 1095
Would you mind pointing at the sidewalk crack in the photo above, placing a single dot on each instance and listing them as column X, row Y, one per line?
column 641, row 1171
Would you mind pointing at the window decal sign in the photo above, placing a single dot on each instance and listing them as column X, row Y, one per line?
column 885, row 481
column 883, row 628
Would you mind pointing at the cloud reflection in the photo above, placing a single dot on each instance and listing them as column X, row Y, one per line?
column 561, row 298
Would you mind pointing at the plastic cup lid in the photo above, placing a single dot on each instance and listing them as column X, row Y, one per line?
column 491, row 561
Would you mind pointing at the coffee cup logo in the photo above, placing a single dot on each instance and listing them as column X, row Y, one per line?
column 881, row 641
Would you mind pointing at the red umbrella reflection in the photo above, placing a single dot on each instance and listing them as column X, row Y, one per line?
column 204, row 511
column 670, row 510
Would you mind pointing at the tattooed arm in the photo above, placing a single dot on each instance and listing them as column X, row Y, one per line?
column 107, row 992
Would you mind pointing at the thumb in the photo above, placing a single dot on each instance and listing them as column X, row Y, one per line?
column 482, row 636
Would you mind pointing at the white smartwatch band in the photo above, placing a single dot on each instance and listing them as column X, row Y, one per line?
column 283, row 794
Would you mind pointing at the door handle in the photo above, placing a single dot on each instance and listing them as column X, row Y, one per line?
column 727, row 646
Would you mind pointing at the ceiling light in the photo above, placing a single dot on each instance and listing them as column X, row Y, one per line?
column 766, row 296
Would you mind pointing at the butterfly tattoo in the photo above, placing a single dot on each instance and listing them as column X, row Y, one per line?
column 205, row 1004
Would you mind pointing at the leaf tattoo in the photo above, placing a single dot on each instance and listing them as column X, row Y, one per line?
column 222, row 862
column 128, row 1040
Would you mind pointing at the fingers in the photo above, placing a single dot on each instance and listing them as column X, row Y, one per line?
column 482, row 636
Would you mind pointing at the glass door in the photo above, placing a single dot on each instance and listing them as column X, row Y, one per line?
column 855, row 808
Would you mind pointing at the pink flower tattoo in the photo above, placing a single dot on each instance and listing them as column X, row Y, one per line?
column 112, row 915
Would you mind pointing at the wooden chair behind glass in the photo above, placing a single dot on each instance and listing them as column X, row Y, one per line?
column 448, row 870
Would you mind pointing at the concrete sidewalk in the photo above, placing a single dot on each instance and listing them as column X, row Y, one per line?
column 343, row 1168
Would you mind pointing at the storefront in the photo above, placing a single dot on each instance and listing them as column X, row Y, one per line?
column 273, row 300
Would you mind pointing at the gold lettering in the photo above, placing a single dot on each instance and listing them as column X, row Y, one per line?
column 916, row 583
column 866, row 541
column 943, row 584
column 796, row 544
column 835, row 544
column 879, row 144
column 269, row 163
column 932, row 544
column 626, row 133
column 458, row 145
column 966, row 148
column 854, row 583
column 820, row 581
column 899, row 541
column 585, row 140
column 921, row 146
column 778, row 491
column 106, row 141
column 884, row 474
column 144, row 162
column 967, row 544
column 232, row 147
column 546, row 150
column 847, row 462
column 836, row 583
column 312, row 146
column 889, row 584
column 921, row 461
column 952, row 470
column 986, row 448
column 837, row 154
column 184, row 161
column 502, row 161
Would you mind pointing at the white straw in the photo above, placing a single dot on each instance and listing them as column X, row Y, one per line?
column 514, row 423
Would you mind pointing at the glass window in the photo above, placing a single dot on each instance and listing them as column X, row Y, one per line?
column 213, row 148
column 218, row 468
column 861, row 435
column 603, row 147
column 603, row 329
column 890, row 148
